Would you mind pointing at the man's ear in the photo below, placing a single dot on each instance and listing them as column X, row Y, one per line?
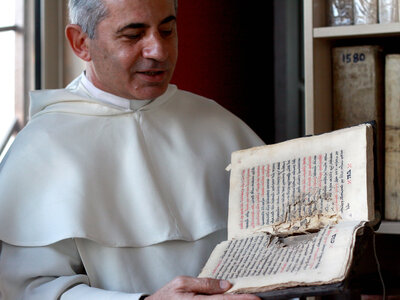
column 78, row 41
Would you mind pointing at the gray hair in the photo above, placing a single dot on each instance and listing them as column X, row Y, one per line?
column 88, row 13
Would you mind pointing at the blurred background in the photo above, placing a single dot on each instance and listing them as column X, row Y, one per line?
column 246, row 57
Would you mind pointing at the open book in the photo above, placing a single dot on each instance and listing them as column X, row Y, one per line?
column 294, row 211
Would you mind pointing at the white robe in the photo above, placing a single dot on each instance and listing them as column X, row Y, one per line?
column 96, row 199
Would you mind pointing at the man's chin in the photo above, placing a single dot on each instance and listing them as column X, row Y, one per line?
column 149, row 92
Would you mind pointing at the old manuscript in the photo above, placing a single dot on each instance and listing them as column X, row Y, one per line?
column 294, row 211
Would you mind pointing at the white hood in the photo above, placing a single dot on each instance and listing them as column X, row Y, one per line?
column 84, row 169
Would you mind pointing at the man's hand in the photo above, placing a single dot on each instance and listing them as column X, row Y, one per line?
column 184, row 287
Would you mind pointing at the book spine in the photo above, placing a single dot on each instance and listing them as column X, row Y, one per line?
column 365, row 11
column 388, row 11
column 358, row 97
column 357, row 85
column 340, row 12
column 392, row 137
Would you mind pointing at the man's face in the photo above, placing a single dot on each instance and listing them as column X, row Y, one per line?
column 134, row 52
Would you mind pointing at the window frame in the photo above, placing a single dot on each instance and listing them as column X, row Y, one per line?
column 24, row 66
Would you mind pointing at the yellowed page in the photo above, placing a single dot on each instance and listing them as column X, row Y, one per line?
column 263, row 262
column 302, row 184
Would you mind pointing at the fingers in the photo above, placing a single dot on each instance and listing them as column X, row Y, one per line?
column 209, row 289
column 228, row 297
column 184, row 288
column 206, row 286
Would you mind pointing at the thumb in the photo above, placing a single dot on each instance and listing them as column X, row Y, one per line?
column 207, row 286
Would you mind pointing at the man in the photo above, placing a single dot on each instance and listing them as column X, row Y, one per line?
column 117, row 184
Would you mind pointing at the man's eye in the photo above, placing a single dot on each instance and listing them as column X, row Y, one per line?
column 166, row 33
column 132, row 36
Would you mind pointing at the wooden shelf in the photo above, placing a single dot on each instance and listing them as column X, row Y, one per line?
column 389, row 227
column 318, row 42
column 367, row 30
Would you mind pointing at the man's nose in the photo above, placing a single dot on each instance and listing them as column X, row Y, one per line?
column 155, row 47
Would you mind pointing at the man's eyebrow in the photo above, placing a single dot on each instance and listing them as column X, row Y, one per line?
column 168, row 19
column 143, row 25
column 132, row 26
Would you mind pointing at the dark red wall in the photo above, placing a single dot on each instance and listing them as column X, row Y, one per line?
column 225, row 53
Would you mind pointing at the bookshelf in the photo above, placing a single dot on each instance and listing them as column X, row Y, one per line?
column 318, row 42
column 357, row 31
